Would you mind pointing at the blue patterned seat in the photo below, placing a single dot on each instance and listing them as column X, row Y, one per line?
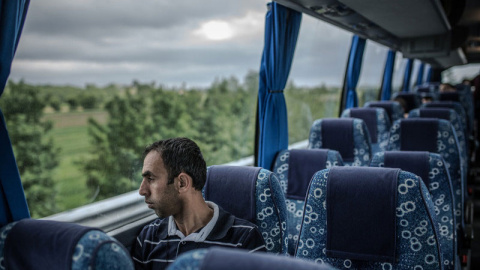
column 369, row 218
column 411, row 100
column 450, row 105
column 295, row 169
column 378, row 124
column 466, row 101
column 431, row 168
column 43, row 244
column 451, row 116
column 393, row 108
column 435, row 136
column 235, row 259
column 348, row 136
column 253, row 194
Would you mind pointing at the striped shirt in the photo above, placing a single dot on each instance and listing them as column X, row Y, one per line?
column 160, row 242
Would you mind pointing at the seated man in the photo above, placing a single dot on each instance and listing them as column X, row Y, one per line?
column 174, row 173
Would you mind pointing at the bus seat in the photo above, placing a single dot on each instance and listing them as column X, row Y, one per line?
column 253, row 194
column 466, row 101
column 451, row 105
column 454, row 119
column 369, row 218
column 378, row 124
column 393, row 108
column 295, row 169
column 348, row 136
column 411, row 100
column 217, row 258
column 46, row 244
column 435, row 136
column 431, row 168
column 428, row 89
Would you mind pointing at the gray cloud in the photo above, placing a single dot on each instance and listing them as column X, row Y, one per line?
column 120, row 40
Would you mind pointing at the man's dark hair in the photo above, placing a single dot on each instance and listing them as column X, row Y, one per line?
column 181, row 155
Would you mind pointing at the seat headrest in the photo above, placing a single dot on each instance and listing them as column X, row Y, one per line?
column 412, row 100
column 236, row 259
column 449, row 96
column 361, row 213
column 386, row 105
column 228, row 185
column 44, row 238
column 416, row 162
column 302, row 165
column 419, row 134
column 432, row 112
column 369, row 116
column 440, row 104
column 337, row 134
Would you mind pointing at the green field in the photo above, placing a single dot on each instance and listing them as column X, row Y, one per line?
column 70, row 134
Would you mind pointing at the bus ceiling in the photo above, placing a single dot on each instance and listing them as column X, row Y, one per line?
column 441, row 33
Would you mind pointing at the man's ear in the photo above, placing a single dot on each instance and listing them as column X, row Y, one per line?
column 185, row 182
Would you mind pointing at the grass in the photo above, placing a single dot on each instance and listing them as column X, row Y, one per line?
column 70, row 133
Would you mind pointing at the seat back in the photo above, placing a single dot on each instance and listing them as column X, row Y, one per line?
column 45, row 244
column 236, row 259
column 454, row 119
column 466, row 101
column 295, row 168
column 411, row 100
column 253, row 194
column 393, row 108
column 435, row 136
column 450, row 105
column 349, row 137
column 431, row 168
column 378, row 124
column 369, row 218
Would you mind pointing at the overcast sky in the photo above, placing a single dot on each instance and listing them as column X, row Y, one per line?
column 170, row 43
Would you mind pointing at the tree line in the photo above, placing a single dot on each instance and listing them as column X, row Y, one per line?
column 220, row 118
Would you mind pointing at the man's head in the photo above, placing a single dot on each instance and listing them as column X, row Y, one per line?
column 181, row 155
column 172, row 170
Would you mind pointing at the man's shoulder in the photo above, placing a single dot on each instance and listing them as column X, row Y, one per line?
column 151, row 229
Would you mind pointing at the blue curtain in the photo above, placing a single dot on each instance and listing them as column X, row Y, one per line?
column 13, row 205
column 353, row 70
column 429, row 74
column 281, row 32
column 421, row 70
column 388, row 75
column 407, row 76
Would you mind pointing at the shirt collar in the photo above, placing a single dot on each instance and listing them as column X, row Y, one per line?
column 204, row 232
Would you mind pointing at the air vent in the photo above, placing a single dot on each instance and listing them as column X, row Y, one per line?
column 332, row 10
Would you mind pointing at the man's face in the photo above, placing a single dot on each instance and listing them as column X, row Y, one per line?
column 158, row 195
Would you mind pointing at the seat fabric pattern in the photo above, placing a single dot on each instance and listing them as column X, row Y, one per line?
column 295, row 207
column 448, row 148
column 393, row 108
column 191, row 260
column 95, row 250
column 362, row 145
column 456, row 106
column 440, row 189
column 383, row 129
column 271, row 211
column 3, row 236
column 104, row 250
column 454, row 119
column 416, row 232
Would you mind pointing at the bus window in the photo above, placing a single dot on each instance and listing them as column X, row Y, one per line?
column 100, row 87
column 314, row 86
column 370, row 80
